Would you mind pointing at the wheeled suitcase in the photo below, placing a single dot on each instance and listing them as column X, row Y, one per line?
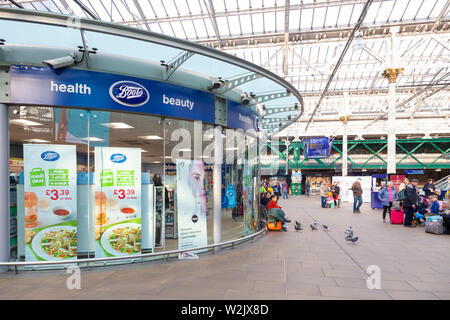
column 397, row 216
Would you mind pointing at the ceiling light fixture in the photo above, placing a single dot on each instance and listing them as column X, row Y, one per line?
column 93, row 139
column 25, row 123
column 37, row 140
column 150, row 137
column 117, row 125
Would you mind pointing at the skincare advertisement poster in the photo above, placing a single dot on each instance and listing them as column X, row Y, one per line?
column 50, row 193
column 117, row 212
column 249, row 216
column 191, row 204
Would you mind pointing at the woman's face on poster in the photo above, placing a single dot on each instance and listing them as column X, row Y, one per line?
column 196, row 178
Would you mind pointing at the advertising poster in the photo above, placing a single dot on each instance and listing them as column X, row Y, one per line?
column 117, row 212
column 346, row 183
column 191, row 204
column 397, row 180
column 250, row 223
column 296, row 177
column 50, row 202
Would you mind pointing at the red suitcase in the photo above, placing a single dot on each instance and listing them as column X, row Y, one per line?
column 397, row 216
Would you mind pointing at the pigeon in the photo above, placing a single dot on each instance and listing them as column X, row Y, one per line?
column 352, row 239
column 325, row 227
column 298, row 226
column 313, row 227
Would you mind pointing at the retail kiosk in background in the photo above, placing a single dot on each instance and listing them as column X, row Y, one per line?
column 104, row 124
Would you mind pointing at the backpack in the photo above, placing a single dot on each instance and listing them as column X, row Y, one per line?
column 401, row 195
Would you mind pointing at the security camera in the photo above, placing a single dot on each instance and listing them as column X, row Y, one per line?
column 219, row 83
column 59, row 63
column 245, row 100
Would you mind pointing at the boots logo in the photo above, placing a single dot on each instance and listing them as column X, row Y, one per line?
column 50, row 156
column 118, row 158
column 129, row 93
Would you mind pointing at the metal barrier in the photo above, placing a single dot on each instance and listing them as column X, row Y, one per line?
column 15, row 264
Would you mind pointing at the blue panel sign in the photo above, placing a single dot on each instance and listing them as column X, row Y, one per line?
column 242, row 117
column 317, row 147
column 414, row 172
column 98, row 90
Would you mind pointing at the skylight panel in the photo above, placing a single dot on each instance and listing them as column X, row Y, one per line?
column 125, row 13
column 372, row 13
column 209, row 28
column 170, row 8
column 399, row 10
column 356, row 13
column 306, row 19
column 200, row 27
column 294, row 19
column 332, row 16
column 243, row 4
column 385, row 10
column 344, row 16
column 165, row 26
column 411, row 9
column 318, row 18
column 438, row 8
column 280, row 21
column 177, row 27
column 269, row 19
column 159, row 9
column 257, row 23
column 234, row 25
column 147, row 9
column 183, row 7
column 246, row 24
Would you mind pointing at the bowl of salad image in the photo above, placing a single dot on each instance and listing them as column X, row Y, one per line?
column 122, row 239
column 56, row 243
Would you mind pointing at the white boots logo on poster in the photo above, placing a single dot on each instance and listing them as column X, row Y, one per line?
column 129, row 93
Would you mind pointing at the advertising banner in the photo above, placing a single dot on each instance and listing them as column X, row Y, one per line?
column 242, row 117
column 250, row 220
column 346, row 183
column 81, row 88
column 117, row 212
column 191, row 204
column 50, row 190
column 296, row 177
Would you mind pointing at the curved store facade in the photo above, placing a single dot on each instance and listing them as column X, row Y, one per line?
column 119, row 142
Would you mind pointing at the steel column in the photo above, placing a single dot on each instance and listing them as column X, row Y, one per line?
column 4, row 186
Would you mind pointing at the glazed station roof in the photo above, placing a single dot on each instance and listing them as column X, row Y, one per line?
column 332, row 51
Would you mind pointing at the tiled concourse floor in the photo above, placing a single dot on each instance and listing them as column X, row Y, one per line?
column 279, row 265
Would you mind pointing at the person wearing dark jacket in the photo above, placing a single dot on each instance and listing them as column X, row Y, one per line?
column 429, row 188
column 335, row 190
column 410, row 202
column 357, row 195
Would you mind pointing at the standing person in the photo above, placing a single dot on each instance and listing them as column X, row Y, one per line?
column 403, row 185
column 308, row 187
column 410, row 202
column 387, row 196
column 284, row 188
column 323, row 193
column 357, row 195
column 335, row 190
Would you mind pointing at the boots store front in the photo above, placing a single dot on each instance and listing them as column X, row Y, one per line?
column 119, row 144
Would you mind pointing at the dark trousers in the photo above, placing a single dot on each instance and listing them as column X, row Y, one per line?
column 324, row 201
column 387, row 208
column 409, row 215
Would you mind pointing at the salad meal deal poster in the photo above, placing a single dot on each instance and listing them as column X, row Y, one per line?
column 50, row 193
column 191, row 204
column 247, row 188
column 117, row 212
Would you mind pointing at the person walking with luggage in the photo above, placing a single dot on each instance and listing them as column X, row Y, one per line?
column 323, row 193
column 357, row 195
column 387, row 196
column 410, row 202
